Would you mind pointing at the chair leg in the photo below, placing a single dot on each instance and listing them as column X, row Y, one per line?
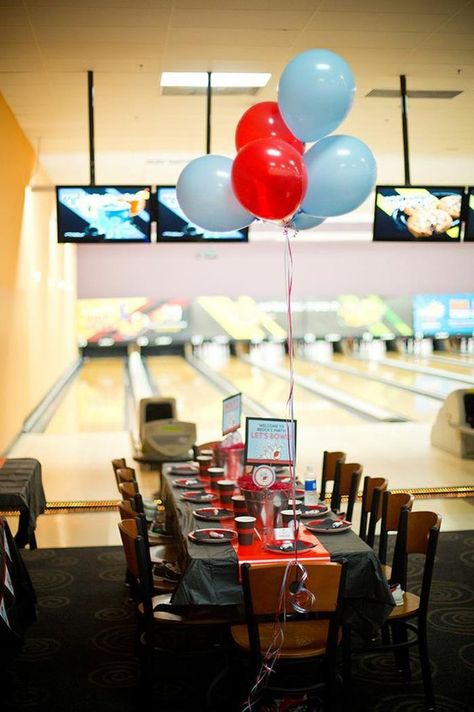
column 426, row 668
column 402, row 656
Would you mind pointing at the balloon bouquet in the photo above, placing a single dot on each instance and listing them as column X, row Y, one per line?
column 272, row 178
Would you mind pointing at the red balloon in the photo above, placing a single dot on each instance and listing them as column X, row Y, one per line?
column 264, row 120
column 269, row 178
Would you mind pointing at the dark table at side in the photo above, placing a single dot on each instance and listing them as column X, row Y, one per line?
column 211, row 572
column 21, row 489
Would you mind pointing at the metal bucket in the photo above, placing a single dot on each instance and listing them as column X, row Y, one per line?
column 265, row 505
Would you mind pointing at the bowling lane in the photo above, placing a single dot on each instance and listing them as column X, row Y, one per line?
column 95, row 401
column 409, row 405
column 438, row 385
column 197, row 400
column 272, row 392
column 458, row 366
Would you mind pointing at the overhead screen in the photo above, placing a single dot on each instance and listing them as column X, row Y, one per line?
column 443, row 313
column 469, row 233
column 418, row 213
column 173, row 225
column 103, row 213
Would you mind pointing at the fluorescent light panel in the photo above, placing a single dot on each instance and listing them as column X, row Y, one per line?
column 218, row 79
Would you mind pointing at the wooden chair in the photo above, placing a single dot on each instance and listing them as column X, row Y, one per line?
column 128, row 490
column 118, row 462
column 346, row 484
column 125, row 474
column 371, row 510
column 311, row 637
column 407, row 624
column 392, row 505
column 330, row 460
column 161, row 628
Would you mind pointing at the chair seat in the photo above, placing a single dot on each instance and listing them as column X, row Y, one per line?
column 163, row 552
column 305, row 639
column 410, row 607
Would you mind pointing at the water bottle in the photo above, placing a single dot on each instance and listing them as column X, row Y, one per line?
column 310, row 493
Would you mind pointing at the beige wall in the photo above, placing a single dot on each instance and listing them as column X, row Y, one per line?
column 37, row 283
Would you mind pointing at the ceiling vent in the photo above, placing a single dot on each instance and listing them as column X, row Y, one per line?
column 414, row 93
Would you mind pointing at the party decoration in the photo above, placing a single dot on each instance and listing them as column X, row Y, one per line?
column 303, row 221
column 205, row 195
column 269, row 178
column 315, row 93
column 264, row 120
column 341, row 175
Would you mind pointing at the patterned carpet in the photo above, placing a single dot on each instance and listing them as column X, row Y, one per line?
column 79, row 655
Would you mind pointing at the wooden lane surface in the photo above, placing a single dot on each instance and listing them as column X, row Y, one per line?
column 459, row 366
column 197, row 400
column 436, row 384
column 95, row 400
column 410, row 405
column 272, row 392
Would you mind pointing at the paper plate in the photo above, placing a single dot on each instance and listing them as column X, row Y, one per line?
column 212, row 514
column 198, row 497
column 189, row 483
column 280, row 546
column 312, row 511
column 184, row 470
column 328, row 526
column 213, row 536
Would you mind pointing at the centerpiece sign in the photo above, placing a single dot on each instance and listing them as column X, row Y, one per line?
column 231, row 412
column 270, row 441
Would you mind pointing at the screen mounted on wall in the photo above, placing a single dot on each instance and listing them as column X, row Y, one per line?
column 173, row 225
column 103, row 213
column 418, row 213
column 443, row 313
column 469, row 232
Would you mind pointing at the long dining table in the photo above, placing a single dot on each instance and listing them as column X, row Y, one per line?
column 211, row 572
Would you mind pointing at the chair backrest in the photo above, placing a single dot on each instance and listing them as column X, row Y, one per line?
column 392, row 505
column 118, row 462
column 417, row 534
column 330, row 460
column 346, row 483
column 139, row 566
column 125, row 474
column 371, row 510
column 128, row 490
column 126, row 509
column 262, row 587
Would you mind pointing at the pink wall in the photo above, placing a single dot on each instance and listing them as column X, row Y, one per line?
column 257, row 269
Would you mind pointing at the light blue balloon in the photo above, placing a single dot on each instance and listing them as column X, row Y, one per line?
column 341, row 174
column 303, row 221
column 315, row 93
column 205, row 195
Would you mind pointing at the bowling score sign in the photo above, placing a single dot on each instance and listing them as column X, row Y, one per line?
column 270, row 441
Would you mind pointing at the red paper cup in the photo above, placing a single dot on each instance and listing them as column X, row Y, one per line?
column 245, row 529
column 215, row 474
column 204, row 462
column 226, row 490
column 239, row 506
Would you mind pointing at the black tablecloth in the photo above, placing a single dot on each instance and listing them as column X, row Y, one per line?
column 17, row 596
column 211, row 572
column 21, row 488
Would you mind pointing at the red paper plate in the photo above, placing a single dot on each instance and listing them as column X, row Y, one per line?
column 313, row 510
column 213, row 536
column 328, row 526
column 189, row 483
column 213, row 514
column 198, row 497
column 286, row 546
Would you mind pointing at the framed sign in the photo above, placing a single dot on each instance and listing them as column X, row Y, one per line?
column 270, row 441
column 231, row 413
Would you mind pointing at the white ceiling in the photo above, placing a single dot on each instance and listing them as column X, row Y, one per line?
column 47, row 47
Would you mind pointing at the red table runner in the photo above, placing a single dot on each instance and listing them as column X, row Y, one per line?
column 256, row 554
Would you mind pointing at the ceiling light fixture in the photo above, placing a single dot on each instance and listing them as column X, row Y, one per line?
column 218, row 79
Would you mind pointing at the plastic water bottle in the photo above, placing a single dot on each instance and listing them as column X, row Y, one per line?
column 310, row 493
